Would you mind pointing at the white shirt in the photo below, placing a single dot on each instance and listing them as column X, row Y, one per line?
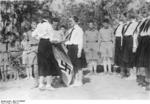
column 118, row 32
column 130, row 30
column 144, row 33
column 43, row 30
column 76, row 37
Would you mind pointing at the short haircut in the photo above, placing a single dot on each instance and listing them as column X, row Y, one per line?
column 55, row 20
column 63, row 26
column 46, row 14
column 106, row 21
column 75, row 18
column 90, row 21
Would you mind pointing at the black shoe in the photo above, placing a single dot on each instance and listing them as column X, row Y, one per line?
column 138, row 78
column 143, row 81
column 148, row 87
column 140, row 81
column 144, row 84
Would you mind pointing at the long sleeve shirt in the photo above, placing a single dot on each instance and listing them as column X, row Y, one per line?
column 76, row 37
column 43, row 30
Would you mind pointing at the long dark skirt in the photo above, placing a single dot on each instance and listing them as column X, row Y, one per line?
column 118, row 51
column 78, row 63
column 127, row 53
column 143, row 52
column 47, row 64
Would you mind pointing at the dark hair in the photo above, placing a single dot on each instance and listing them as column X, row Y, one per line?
column 90, row 21
column 75, row 18
column 63, row 26
column 46, row 14
column 55, row 20
column 106, row 21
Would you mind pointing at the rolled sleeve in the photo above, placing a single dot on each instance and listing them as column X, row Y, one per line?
column 80, row 40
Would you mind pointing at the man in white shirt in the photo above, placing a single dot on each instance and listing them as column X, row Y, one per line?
column 46, row 60
column 75, row 47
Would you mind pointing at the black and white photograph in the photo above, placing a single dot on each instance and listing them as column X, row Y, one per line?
column 74, row 50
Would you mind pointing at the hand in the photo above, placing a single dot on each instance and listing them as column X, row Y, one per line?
column 54, row 41
column 79, row 54
column 134, row 49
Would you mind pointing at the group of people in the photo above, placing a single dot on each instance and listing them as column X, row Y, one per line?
column 125, row 47
column 132, row 50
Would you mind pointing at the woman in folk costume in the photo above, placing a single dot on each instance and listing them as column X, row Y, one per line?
column 46, row 60
column 92, row 47
column 106, row 45
column 75, row 48
column 143, row 54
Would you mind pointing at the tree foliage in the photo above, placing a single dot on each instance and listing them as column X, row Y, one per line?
column 15, row 15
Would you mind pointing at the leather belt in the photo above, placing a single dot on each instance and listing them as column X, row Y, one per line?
column 91, row 41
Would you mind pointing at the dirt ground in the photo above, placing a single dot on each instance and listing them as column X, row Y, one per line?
column 96, row 87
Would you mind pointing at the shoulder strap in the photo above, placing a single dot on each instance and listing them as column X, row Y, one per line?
column 137, row 27
column 69, row 35
column 143, row 25
column 116, row 29
column 123, row 29
column 127, row 28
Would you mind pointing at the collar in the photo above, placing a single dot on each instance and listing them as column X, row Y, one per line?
column 93, row 29
column 44, row 20
column 76, row 26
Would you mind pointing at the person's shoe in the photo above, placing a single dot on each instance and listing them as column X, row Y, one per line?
column 27, row 78
column 35, row 86
column 76, row 84
column 144, row 84
column 49, row 87
column 41, row 87
column 110, row 73
column 31, row 78
column 131, row 78
column 148, row 87
column 137, row 78
column 140, row 81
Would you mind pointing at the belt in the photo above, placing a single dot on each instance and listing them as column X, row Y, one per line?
column 72, row 44
column 2, row 52
column 91, row 41
column 44, row 39
column 128, row 35
column 107, row 41
column 34, row 45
